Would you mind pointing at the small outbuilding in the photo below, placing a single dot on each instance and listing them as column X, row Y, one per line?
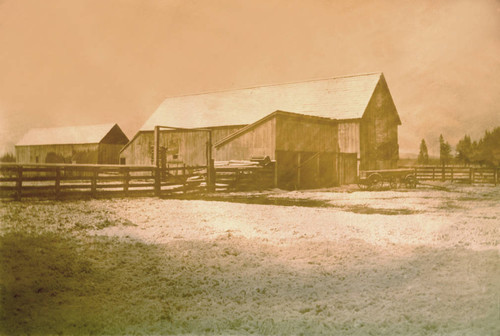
column 304, row 148
column 94, row 144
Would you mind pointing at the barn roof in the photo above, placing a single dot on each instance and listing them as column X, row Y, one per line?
column 90, row 134
column 338, row 98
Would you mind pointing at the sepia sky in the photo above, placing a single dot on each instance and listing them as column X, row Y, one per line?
column 84, row 62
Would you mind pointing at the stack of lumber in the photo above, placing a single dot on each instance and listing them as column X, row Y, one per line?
column 254, row 174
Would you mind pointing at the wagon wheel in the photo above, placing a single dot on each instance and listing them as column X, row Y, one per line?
column 375, row 181
column 410, row 181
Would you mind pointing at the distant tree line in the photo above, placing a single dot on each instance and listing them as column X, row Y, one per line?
column 8, row 157
column 484, row 152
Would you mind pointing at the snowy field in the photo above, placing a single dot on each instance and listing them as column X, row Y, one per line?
column 338, row 262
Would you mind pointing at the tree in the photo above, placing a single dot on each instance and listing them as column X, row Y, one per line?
column 487, row 150
column 444, row 151
column 465, row 150
column 423, row 156
column 8, row 157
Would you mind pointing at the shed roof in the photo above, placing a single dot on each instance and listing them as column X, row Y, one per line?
column 90, row 134
column 338, row 98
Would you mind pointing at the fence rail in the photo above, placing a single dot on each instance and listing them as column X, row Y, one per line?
column 62, row 180
column 59, row 180
column 457, row 174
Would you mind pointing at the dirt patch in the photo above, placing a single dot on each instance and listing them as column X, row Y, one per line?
column 311, row 203
column 364, row 209
column 263, row 200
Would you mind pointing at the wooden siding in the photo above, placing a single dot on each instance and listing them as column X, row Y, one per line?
column 86, row 153
column 182, row 146
column 349, row 137
column 109, row 153
column 306, row 134
column 187, row 147
column 299, row 170
column 138, row 151
column 304, row 148
column 259, row 141
column 219, row 133
column 379, row 131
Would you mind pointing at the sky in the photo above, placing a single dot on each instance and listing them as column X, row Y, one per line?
column 84, row 62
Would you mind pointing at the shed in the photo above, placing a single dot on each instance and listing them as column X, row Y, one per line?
column 305, row 148
column 93, row 144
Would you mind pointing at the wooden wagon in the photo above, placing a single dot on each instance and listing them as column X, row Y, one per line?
column 392, row 178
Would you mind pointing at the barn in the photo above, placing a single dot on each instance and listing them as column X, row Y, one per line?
column 349, row 122
column 92, row 144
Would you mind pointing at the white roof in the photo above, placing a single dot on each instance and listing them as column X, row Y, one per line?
column 65, row 135
column 336, row 98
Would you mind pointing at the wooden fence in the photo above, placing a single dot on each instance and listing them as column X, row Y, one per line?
column 65, row 180
column 457, row 174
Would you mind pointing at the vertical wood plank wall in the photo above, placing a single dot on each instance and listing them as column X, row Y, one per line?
column 379, row 131
column 258, row 141
column 109, row 153
column 306, row 149
column 305, row 134
column 349, row 137
column 189, row 146
column 79, row 153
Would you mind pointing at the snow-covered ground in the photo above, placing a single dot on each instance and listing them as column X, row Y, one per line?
column 410, row 262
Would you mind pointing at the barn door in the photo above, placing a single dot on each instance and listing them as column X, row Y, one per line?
column 348, row 168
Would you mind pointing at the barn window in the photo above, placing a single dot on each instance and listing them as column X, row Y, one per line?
column 36, row 159
column 122, row 161
column 175, row 156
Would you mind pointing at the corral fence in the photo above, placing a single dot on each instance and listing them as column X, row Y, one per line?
column 457, row 174
column 66, row 180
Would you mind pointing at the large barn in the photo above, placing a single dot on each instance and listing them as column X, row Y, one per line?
column 94, row 144
column 352, row 116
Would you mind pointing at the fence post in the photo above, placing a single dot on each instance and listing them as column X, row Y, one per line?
column 93, row 183
column 298, row 171
column 433, row 173
column 443, row 172
column 156, row 149
column 184, row 178
column 19, row 182
column 470, row 175
column 157, row 181
column 452, row 174
column 495, row 171
column 210, row 165
column 275, row 173
column 58, row 181
column 126, row 176
column 473, row 175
